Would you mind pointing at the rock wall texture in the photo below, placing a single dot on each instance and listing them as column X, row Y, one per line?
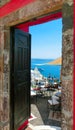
column 31, row 11
column 3, row 2
column 67, row 66
column 4, row 79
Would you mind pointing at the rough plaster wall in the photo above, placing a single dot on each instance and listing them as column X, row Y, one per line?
column 67, row 66
column 3, row 2
column 4, row 78
column 28, row 12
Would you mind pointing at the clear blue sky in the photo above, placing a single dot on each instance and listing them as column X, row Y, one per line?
column 46, row 41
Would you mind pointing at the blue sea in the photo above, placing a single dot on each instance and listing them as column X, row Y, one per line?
column 46, row 70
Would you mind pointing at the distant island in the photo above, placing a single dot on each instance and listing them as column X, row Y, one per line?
column 57, row 61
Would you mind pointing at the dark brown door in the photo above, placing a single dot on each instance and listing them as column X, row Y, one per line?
column 20, row 77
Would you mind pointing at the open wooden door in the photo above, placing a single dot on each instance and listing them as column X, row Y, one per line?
column 19, row 77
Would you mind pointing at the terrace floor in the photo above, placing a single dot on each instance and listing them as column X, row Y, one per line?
column 41, row 115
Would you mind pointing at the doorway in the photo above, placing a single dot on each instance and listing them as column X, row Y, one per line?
column 25, row 28
column 42, row 53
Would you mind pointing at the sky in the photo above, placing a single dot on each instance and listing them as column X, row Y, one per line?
column 46, row 40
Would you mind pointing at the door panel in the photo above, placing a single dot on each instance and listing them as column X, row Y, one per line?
column 21, row 77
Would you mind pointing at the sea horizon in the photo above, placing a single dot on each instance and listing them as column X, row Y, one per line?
column 45, row 58
column 45, row 69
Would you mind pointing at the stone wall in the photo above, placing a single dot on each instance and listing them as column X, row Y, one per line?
column 31, row 11
column 4, row 79
column 3, row 2
column 67, row 66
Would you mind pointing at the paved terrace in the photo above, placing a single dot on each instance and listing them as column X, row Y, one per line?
column 41, row 115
